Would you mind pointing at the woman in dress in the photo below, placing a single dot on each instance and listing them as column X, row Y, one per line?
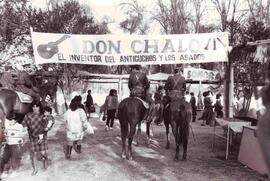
column 76, row 123
column 34, row 123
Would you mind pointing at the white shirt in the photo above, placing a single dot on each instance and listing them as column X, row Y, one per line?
column 14, row 133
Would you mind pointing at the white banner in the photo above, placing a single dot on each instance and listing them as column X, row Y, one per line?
column 129, row 49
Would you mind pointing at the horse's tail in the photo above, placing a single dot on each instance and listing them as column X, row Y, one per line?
column 122, row 110
column 186, row 116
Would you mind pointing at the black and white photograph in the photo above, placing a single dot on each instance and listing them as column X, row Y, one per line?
column 148, row 90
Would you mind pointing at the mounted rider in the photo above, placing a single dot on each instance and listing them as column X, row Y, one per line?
column 25, row 85
column 138, row 85
column 7, row 81
column 175, row 86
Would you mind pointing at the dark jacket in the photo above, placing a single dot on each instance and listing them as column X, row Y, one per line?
column 138, row 79
column 89, row 100
column 175, row 86
column 193, row 102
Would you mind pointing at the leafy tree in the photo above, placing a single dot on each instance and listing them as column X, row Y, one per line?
column 14, row 32
column 68, row 17
column 249, row 73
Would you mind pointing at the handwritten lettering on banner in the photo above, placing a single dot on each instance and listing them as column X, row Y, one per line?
column 201, row 74
column 129, row 49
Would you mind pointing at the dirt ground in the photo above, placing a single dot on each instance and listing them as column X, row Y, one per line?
column 101, row 158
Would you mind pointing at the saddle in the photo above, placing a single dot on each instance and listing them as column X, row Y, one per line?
column 24, row 98
column 145, row 104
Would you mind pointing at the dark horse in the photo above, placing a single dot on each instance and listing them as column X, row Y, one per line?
column 131, row 112
column 178, row 115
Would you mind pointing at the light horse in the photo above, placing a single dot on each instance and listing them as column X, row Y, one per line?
column 131, row 112
column 178, row 115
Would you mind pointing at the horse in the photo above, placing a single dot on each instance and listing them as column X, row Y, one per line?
column 131, row 112
column 178, row 114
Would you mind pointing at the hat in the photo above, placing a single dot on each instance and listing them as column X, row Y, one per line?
column 178, row 69
column 137, row 67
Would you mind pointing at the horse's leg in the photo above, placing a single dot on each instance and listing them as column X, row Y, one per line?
column 148, row 126
column 124, row 133
column 139, row 131
column 176, row 137
column 130, row 138
column 167, row 126
column 2, row 124
column 185, row 134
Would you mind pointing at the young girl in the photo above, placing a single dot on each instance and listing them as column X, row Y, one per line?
column 76, row 125
column 48, row 122
column 34, row 123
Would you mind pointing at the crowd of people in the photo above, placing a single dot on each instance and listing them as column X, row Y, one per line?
column 37, row 123
column 40, row 120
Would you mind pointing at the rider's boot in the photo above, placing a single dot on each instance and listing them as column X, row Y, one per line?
column 146, row 115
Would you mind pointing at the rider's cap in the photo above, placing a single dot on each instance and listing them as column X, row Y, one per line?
column 178, row 69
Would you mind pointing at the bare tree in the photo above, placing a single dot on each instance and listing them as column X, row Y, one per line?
column 135, row 22
column 223, row 7
column 259, row 11
column 199, row 8
column 173, row 17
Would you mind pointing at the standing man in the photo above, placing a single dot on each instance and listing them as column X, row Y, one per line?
column 193, row 106
column 89, row 102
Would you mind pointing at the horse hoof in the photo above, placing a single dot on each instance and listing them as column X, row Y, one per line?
column 130, row 158
column 124, row 156
column 34, row 172
column 184, row 158
column 176, row 159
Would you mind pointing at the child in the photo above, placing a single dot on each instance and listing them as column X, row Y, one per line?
column 14, row 133
column 48, row 122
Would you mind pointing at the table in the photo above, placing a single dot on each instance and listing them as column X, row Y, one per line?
column 231, row 125
column 250, row 153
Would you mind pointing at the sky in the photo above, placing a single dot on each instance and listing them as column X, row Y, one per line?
column 111, row 8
